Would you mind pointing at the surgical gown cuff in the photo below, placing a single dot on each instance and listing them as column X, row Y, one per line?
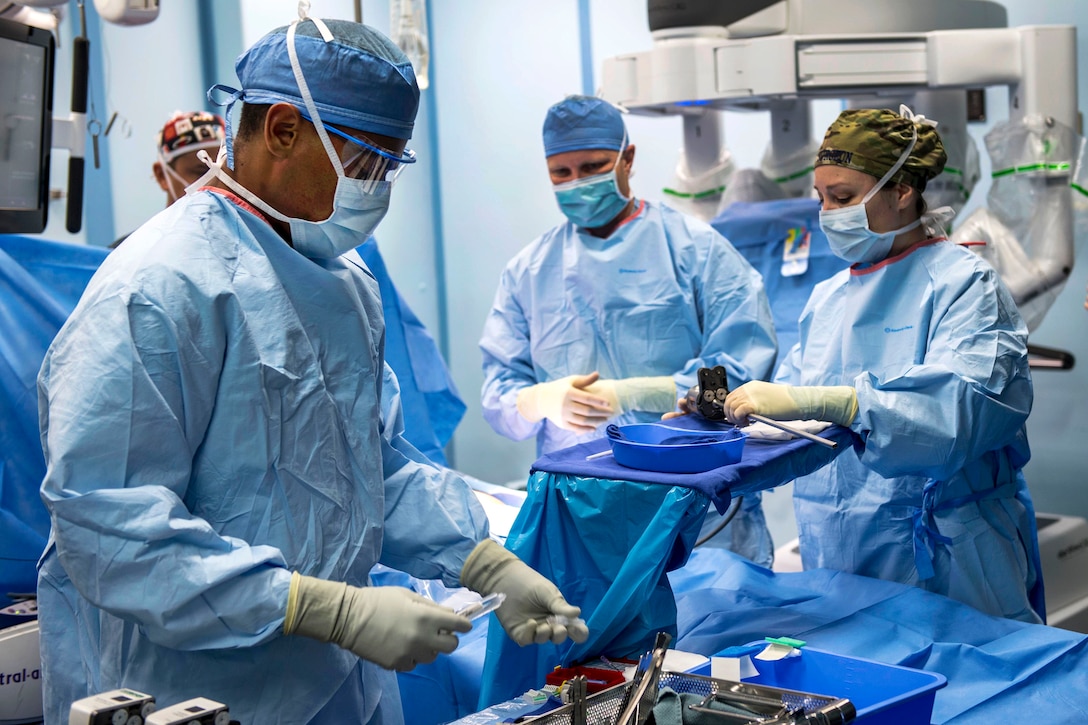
column 483, row 564
column 289, row 619
column 648, row 394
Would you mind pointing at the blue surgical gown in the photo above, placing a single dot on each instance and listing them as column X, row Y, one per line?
column 933, row 494
column 665, row 294
column 216, row 414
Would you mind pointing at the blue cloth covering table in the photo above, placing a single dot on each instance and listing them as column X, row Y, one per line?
column 997, row 669
column 763, row 465
column 607, row 536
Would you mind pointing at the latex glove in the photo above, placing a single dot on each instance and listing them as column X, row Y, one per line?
column 392, row 626
column 530, row 598
column 566, row 403
column 653, row 394
column 834, row 403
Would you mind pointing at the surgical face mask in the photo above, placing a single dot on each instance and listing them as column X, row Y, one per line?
column 359, row 204
column 849, row 236
column 847, row 228
column 595, row 200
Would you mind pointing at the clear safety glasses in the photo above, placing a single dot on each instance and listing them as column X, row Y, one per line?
column 366, row 162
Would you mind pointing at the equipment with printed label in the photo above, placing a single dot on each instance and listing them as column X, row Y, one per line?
column 198, row 711
column 116, row 707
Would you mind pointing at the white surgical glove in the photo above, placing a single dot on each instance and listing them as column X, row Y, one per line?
column 391, row 626
column 566, row 403
column 530, row 598
column 651, row 394
column 834, row 403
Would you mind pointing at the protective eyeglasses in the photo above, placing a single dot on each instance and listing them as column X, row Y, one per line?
column 366, row 162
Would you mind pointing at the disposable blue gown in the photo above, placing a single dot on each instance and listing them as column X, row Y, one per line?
column 933, row 494
column 665, row 294
column 214, row 417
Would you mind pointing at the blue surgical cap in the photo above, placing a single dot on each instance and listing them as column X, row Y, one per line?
column 360, row 80
column 582, row 122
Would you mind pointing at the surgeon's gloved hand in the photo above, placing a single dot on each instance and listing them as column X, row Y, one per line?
column 530, row 598
column 649, row 394
column 834, row 403
column 566, row 403
column 391, row 626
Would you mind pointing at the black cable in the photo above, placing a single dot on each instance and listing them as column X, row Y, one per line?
column 726, row 518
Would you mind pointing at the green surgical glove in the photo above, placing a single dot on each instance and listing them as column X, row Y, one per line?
column 391, row 626
column 834, row 403
column 530, row 598
column 649, row 394
column 566, row 403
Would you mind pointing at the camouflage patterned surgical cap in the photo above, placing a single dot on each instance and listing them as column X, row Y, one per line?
column 872, row 140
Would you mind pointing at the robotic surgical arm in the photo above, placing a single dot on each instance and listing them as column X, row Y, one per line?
column 779, row 55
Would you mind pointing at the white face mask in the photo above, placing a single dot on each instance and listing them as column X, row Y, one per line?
column 358, row 205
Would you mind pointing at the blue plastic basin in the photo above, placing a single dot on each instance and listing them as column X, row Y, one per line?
column 882, row 693
column 663, row 448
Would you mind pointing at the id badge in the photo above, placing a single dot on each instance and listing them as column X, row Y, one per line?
column 795, row 252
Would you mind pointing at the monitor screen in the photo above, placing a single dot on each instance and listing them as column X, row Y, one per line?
column 26, row 123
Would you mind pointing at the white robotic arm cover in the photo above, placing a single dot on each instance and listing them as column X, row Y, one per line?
column 1027, row 229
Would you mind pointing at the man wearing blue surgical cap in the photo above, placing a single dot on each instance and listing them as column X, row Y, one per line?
column 609, row 316
column 224, row 448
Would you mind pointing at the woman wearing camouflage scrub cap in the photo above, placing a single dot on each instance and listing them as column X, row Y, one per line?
column 919, row 349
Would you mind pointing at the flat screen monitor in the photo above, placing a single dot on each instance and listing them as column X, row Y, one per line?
column 26, row 124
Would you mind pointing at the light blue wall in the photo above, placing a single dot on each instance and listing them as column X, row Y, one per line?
column 499, row 65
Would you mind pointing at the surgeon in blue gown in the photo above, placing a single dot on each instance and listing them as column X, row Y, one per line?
column 919, row 348
column 225, row 462
column 608, row 316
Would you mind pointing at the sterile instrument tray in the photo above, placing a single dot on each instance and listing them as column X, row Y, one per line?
column 605, row 707
column 662, row 448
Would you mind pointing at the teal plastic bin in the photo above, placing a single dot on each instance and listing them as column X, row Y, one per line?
column 885, row 694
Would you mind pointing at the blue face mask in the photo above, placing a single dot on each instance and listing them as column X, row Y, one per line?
column 593, row 201
column 847, row 228
column 849, row 236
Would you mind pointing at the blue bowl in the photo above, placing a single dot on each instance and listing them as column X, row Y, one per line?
column 662, row 448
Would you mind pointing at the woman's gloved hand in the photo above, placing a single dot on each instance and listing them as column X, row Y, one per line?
column 530, row 598
column 391, row 626
column 649, row 394
column 834, row 403
column 566, row 403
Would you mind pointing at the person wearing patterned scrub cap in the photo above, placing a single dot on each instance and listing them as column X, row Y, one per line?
column 178, row 143
column 919, row 349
